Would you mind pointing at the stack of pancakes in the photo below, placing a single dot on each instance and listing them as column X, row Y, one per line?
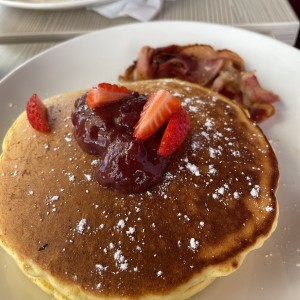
column 78, row 240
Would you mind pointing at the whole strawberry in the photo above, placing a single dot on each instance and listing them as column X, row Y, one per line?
column 37, row 114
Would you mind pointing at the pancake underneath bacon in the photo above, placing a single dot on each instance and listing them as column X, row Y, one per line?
column 78, row 240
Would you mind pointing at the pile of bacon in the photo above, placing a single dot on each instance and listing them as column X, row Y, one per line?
column 220, row 70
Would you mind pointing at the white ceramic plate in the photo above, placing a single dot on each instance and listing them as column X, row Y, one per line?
column 272, row 272
column 51, row 4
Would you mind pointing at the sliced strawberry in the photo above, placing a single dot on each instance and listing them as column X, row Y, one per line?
column 105, row 93
column 158, row 109
column 37, row 114
column 175, row 133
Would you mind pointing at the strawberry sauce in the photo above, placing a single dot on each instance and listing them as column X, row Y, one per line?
column 125, row 164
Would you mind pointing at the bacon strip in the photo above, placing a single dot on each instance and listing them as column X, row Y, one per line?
column 253, row 91
column 208, row 53
column 144, row 68
column 221, row 70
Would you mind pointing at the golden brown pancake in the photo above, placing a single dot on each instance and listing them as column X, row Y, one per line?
column 78, row 240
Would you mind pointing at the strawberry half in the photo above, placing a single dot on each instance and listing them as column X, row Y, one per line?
column 37, row 114
column 175, row 133
column 105, row 93
column 157, row 110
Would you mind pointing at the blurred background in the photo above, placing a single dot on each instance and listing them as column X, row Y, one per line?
column 296, row 6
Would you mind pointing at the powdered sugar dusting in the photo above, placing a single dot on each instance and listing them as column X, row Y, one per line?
column 120, row 260
column 81, row 226
column 194, row 244
column 159, row 273
column 255, row 191
column 193, row 169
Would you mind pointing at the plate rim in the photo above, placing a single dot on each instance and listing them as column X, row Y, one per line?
column 65, row 4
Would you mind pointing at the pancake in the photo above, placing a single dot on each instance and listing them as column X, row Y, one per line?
column 78, row 240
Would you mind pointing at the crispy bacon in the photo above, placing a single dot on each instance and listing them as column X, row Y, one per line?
column 207, row 52
column 227, row 81
column 253, row 91
column 221, row 70
column 190, row 69
column 184, row 63
column 260, row 111
column 143, row 66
